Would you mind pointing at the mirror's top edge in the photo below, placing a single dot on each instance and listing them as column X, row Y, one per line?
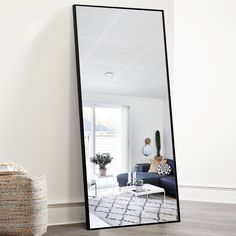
column 116, row 7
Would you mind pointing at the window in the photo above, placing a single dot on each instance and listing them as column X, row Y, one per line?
column 105, row 130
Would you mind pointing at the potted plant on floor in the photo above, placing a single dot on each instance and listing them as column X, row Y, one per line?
column 102, row 159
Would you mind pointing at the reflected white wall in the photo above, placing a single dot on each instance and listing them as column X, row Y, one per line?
column 145, row 117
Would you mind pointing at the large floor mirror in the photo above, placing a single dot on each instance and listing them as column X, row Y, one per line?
column 125, row 112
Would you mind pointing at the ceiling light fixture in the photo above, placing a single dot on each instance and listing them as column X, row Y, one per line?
column 109, row 75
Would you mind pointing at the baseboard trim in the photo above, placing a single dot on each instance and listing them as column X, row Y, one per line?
column 68, row 204
column 208, row 187
column 208, row 193
column 66, row 213
column 66, row 223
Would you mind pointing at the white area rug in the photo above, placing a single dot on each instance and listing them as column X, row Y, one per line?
column 126, row 209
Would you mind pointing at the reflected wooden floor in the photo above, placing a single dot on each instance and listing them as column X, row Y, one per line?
column 197, row 218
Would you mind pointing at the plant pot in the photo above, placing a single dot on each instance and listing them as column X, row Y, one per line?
column 158, row 158
column 103, row 171
column 138, row 188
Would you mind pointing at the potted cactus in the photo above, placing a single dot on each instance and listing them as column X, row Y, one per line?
column 102, row 159
column 158, row 144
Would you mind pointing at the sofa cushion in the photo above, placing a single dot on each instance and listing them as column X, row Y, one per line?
column 163, row 169
column 154, row 165
column 168, row 181
column 172, row 164
column 143, row 167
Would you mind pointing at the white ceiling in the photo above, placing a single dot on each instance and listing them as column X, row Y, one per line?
column 130, row 44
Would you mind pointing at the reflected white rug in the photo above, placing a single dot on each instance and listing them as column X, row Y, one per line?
column 126, row 209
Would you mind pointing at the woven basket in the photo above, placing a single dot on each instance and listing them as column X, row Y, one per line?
column 23, row 205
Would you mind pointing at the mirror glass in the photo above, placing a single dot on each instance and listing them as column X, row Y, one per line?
column 124, row 101
column 147, row 149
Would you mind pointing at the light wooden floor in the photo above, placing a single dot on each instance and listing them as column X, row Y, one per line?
column 197, row 218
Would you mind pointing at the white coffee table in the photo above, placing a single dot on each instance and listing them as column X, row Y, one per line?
column 147, row 190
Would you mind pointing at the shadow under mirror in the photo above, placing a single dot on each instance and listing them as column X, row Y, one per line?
column 124, row 97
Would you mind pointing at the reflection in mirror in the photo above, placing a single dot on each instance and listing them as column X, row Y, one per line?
column 124, row 98
column 147, row 149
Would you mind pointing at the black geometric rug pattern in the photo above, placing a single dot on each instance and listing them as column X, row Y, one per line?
column 126, row 209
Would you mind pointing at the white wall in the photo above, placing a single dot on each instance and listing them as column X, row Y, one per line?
column 39, row 125
column 204, row 98
column 145, row 117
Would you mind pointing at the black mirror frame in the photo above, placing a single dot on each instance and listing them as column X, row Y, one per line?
column 76, row 41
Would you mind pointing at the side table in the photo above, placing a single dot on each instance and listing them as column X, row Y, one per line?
column 99, row 179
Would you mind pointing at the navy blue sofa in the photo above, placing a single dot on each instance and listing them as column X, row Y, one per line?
column 165, row 181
